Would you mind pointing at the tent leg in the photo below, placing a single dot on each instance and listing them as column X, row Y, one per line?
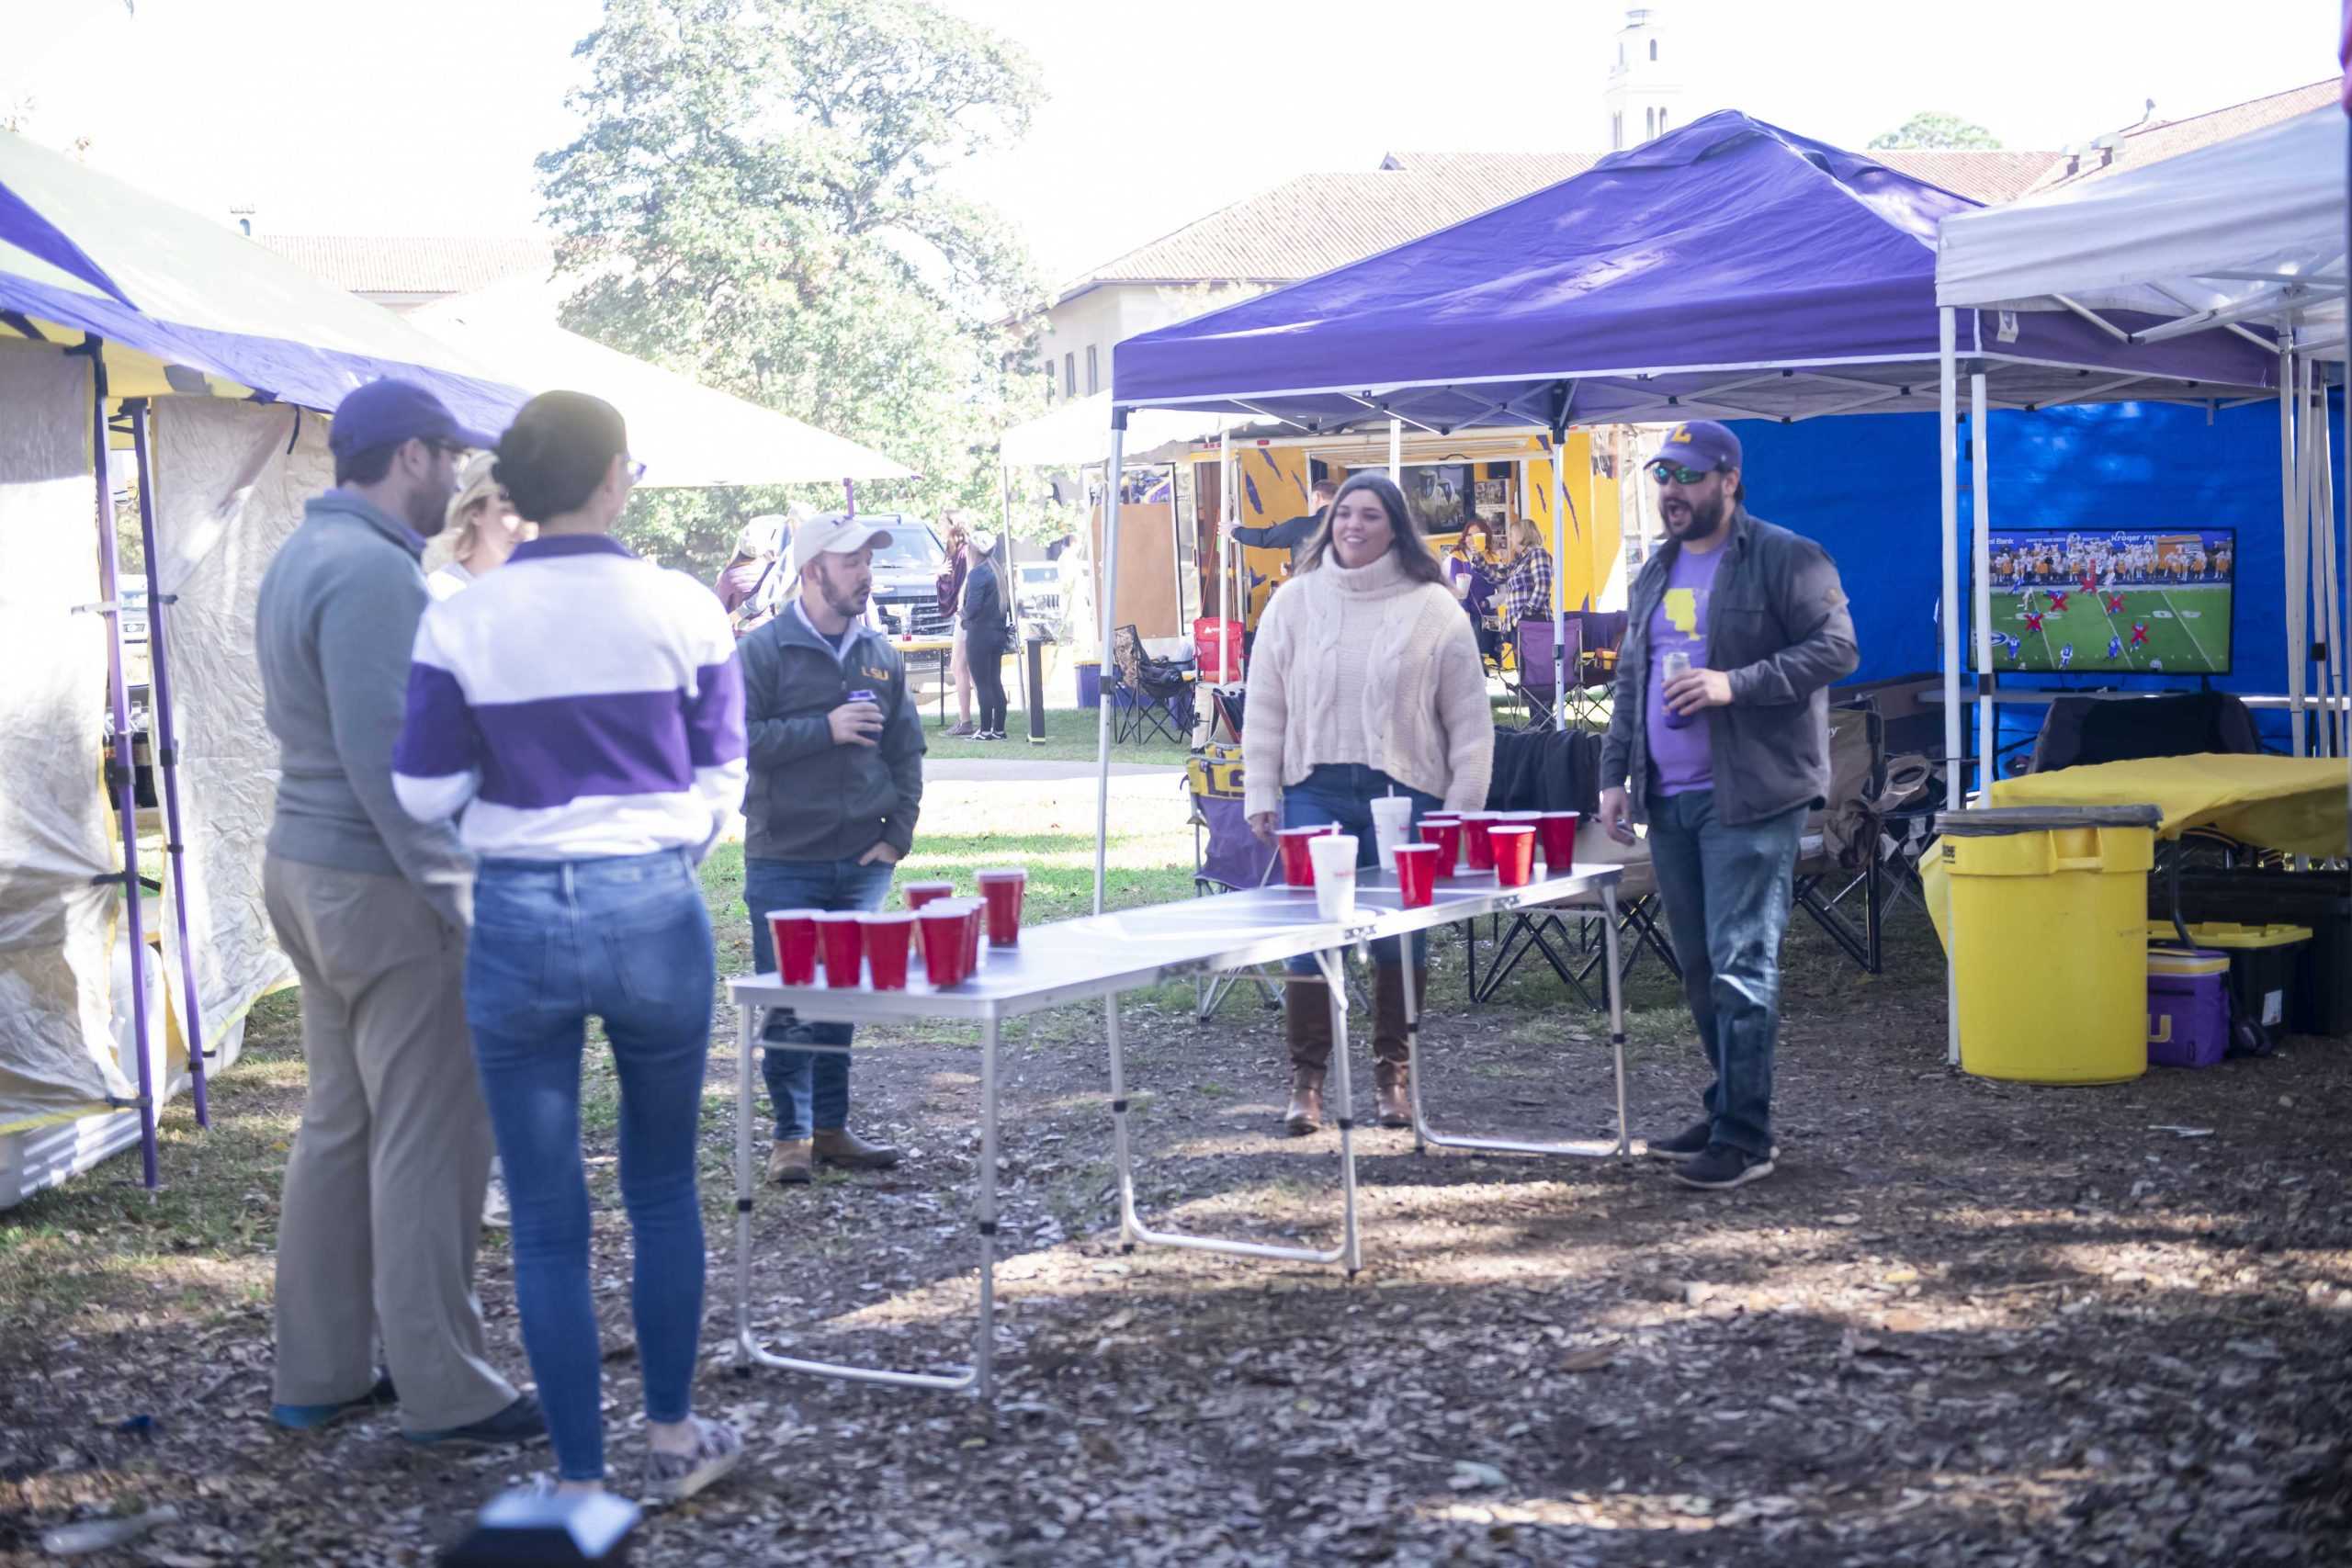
column 1955, row 760
column 849, row 494
column 1560, row 582
column 2290, row 456
column 126, row 767
column 167, row 754
column 1110, row 602
column 1981, row 501
column 1397, row 452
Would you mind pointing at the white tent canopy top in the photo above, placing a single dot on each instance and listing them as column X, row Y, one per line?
column 2246, row 230
column 688, row 436
column 1078, row 433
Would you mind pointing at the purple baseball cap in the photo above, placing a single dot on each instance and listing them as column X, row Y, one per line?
column 1699, row 444
column 387, row 412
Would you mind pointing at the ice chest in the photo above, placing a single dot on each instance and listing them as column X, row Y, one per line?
column 2189, row 1006
column 2321, row 1002
column 2264, row 965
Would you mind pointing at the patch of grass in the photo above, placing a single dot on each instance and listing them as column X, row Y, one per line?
column 1071, row 736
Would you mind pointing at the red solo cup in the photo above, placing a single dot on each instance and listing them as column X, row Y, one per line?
column 1557, row 831
column 1477, row 849
column 845, row 948
column 1002, row 891
column 887, row 936
column 1298, row 870
column 794, row 934
column 1514, row 847
column 1445, row 837
column 918, row 893
column 943, row 943
column 1416, row 875
column 976, row 919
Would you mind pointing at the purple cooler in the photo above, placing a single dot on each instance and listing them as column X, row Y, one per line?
column 2189, row 1006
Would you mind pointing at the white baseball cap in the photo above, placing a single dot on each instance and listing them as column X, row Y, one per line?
column 832, row 534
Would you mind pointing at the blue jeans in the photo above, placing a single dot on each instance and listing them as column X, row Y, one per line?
column 808, row 1088
column 1343, row 793
column 628, row 941
column 1727, row 892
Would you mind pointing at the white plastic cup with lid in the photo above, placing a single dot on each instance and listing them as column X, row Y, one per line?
column 1392, row 824
column 1335, row 876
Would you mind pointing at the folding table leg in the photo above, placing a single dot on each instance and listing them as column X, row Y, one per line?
column 1588, row 1148
column 747, row 1348
column 1132, row 1231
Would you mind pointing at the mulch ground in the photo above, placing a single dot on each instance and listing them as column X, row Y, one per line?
column 1966, row 1322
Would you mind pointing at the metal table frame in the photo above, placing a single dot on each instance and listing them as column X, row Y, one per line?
column 1103, row 956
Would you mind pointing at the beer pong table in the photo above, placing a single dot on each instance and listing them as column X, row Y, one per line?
column 1101, row 956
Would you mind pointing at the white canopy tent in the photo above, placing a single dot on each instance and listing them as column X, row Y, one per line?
column 689, row 436
column 2246, row 237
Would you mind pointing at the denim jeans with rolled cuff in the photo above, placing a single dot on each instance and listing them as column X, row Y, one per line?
column 625, row 940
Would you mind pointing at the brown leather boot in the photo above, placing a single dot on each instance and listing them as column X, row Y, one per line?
column 840, row 1146
column 1391, row 1062
column 1306, row 1019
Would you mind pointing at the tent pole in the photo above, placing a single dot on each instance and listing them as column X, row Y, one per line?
column 2324, row 512
column 1560, row 580
column 1109, row 601
column 1955, row 760
column 2289, row 459
column 1223, row 543
column 1397, row 452
column 167, row 752
column 1980, row 503
column 849, row 493
column 126, row 767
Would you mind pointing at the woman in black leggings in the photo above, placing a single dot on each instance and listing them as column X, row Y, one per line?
column 985, row 633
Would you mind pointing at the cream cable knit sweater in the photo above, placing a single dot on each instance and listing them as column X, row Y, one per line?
column 1367, row 666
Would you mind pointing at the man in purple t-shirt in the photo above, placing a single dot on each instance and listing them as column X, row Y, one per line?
column 1719, row 740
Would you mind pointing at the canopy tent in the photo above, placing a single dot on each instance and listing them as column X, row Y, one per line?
column 1729, row 270
column 2247, row 234
column 131, row 322
column 1076, row 435
column 689, row 436
column 185, row 305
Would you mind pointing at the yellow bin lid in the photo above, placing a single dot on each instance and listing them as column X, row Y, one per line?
column 2229, row 934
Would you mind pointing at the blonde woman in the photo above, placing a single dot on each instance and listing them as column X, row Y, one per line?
column 1527, row 588
column 951, row 605
column 1367, row 683
column 482, row 529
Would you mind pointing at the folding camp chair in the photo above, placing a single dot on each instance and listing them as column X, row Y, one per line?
column 1227, row 858
column 1534, row 681
column 1599, row 634
column 1841, row 882
column 1150, row 696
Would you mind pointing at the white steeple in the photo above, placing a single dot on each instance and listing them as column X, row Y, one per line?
column 1644, row 95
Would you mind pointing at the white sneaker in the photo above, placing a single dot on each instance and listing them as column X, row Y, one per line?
column 495, row 1214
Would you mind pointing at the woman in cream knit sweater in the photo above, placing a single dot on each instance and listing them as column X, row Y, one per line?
column 1365, row 681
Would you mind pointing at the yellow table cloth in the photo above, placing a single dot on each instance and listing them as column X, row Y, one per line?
column 2294, row 804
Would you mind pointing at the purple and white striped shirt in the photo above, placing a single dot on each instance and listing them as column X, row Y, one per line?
column 576, row 703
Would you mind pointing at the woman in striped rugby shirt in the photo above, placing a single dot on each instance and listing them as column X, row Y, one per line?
column 584, row 710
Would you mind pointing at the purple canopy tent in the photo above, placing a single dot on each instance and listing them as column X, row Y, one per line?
column 166, row 302
column 1730, row 270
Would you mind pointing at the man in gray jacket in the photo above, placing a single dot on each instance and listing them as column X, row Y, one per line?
column 836, row 759
column 383, row 1194
column 1719, row 740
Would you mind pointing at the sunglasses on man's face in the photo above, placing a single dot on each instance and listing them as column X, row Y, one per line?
column 1675, row 473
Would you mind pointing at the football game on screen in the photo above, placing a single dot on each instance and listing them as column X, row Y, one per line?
column 2152, row 602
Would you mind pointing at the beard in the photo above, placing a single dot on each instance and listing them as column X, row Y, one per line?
column 426, row 514
column 848, row 602
column 1702, row 520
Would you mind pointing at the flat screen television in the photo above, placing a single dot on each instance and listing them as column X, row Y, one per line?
column 2113, row 601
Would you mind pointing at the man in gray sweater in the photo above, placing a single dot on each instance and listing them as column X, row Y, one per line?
column 382, row 1201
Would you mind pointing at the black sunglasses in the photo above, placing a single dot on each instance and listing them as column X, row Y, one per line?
column 1675, row 473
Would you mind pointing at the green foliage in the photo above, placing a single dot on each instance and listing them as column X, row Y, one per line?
column 760, row 198
column 1934, row 128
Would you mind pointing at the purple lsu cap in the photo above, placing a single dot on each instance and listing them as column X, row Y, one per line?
column 385, row 413
column 1699, row 444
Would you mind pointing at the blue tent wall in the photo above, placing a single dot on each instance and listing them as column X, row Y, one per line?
column 1867, row 488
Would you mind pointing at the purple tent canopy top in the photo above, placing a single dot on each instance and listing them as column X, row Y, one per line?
column 1729, row 269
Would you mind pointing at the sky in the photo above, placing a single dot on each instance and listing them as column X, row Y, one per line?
column 369, row 116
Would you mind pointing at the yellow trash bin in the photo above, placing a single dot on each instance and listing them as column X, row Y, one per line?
column 2049, row 939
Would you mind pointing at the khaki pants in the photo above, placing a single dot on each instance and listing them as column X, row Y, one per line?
column 382, row 1205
